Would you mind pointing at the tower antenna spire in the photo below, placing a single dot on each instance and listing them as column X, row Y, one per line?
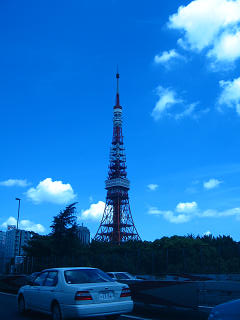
column 117, row 77
column 117, row 96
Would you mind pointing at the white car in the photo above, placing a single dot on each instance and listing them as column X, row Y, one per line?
column 75, row 293
column 226, row 311
column 121, row 276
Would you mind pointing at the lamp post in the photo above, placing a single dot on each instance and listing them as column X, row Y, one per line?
column 19, row 200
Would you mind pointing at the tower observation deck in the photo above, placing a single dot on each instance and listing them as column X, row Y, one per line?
column 117, row 223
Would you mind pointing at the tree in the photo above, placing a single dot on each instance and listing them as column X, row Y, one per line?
column 65, row 223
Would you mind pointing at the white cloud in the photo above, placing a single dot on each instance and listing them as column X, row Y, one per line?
column 11, row 221
column 30, row 226
column 186, row 207
column 186, row 211
column 152, row 186
column 170, row 215
column 51, row 191
column 14, row 182
column 167, row 99
column 230, row 212
column 217, row 214
column 167, row 56
column 211, row 25
column 187, row 112
column 183, row 213
column 211, row 184
column 209, row 213
column 227, row 48
column 25, row 225
column 207, row 233
column 95, row 211
column 230, row 95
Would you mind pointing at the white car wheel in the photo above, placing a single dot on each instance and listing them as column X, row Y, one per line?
column 21, row 305
column 56, row 312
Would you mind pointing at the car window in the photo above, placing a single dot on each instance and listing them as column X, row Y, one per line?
column 40, row 279
column 86, row 276
column 122, row 276
column 33, row 276
column 52, row 279
column 110, row 275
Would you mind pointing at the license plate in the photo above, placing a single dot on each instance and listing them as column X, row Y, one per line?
column 106, row 296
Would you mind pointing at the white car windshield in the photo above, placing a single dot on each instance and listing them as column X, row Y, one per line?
column 86, row 276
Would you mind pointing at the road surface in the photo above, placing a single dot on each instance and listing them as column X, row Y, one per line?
column 8, row 311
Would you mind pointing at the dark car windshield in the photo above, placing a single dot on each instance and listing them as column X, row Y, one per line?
column 122, row 276
column 86, row 276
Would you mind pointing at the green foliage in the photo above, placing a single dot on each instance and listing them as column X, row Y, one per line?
column 176, row 254
column 62, row 241
column 64, row 224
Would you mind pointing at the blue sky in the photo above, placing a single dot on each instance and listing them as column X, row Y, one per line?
column 180, row 92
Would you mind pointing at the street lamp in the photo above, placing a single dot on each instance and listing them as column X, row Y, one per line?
column 19, row 200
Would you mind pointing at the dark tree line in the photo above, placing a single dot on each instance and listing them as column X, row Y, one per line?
column 176, row 254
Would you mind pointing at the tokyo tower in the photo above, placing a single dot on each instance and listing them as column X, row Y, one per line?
column 117, row 223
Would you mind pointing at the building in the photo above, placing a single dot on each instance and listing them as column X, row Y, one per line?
column 83, row 234
column 16, row 239
column 2, row 240
column 2, row 250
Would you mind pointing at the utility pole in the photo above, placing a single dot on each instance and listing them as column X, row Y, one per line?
column 19, row 200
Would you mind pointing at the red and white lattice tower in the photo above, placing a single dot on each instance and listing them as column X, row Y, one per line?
column 117, row 223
